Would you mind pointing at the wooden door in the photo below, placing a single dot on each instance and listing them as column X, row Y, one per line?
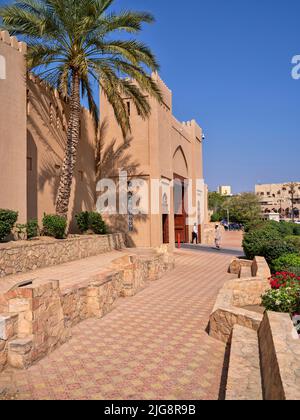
column 181, row 230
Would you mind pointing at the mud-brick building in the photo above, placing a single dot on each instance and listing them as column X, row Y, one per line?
column 33, row 121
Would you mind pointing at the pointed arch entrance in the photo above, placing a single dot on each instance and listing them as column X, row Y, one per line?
column 180, row 176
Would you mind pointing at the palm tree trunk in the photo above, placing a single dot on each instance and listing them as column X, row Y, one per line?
column 73, row 134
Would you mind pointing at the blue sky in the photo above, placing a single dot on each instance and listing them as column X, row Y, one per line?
column 229, row 66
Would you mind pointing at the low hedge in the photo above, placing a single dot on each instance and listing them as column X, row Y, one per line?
column 294, row 240
column 270, row 241
column 32, row 229
column 287, row 263
column 296, row 230
column 91, row 221
column 256, row 240
column 54, row 226
column 276, row 249
column 8, row 218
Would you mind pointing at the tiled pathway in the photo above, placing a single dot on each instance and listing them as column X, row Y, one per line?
column 152, row 346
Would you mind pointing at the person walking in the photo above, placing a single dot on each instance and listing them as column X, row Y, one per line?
column 195, row 234
column 218, row 237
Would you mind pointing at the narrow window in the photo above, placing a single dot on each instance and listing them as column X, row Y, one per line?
column 2, row 68
column 28, row 102
column 29, row 164
column 128, row 108
column 81, row 175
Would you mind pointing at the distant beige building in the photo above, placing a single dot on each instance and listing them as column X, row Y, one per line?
column 224, row 190
column 33, row 123
column 276, row 198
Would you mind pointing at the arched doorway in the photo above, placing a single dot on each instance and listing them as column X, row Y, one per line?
column 165, row 219
column 199, row 220
column 180, row 176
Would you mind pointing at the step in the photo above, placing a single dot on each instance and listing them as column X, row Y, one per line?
column 19, row 352
column 245, row 272
column 244, row 374
column 8, row 326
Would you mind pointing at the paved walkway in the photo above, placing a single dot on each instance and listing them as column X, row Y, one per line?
column 152, row 346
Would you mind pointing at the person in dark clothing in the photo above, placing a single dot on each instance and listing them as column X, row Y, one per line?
column 195, row 234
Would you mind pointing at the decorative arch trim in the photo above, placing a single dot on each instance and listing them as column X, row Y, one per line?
column 179, row 151
column 2, row 68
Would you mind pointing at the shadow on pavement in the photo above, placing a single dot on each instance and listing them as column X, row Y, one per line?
column 225, row 251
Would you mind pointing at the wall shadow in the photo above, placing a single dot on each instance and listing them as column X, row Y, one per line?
column 32, row 178
column 111, row 158
column 47, row 118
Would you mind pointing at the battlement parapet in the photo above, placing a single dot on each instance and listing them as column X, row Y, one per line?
column 13, row 42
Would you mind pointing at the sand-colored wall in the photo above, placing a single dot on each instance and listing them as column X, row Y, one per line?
column 160, row 147
column 13, row 125
column 33, row 122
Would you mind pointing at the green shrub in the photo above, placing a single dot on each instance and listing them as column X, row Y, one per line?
column 54, row 226
column 286, row 300
column 255, row 241
column 96, row 224
column 254, row 225
column 286, row 228
column 8, row 218
column 216, row 217
column 32, row 229
column 283, row 228
column 296, row 230
column 91, row 221
column 289, row 263
column 82, row 220
column 294, row 240
column 275, row 249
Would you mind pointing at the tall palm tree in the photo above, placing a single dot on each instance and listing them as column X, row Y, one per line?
column 70, row 44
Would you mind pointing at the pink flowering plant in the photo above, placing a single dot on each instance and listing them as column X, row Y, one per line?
column 284, row 279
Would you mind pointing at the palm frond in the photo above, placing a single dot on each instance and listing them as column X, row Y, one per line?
column 70, row 36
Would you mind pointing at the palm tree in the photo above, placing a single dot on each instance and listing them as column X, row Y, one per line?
column 71, row 44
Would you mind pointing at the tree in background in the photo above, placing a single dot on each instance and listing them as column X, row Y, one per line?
column 216, row 202
column 244, row 208
column 72, row 43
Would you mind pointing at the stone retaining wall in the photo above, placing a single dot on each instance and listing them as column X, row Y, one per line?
column 25, row 256
column 235, row 296
column 280, row 357
column 38, row 317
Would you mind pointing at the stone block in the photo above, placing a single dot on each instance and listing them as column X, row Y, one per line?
column 19, row 305
column 231, row 307
column 3, row 354
column 244, row 375
column 20, row 353
column 280, row 361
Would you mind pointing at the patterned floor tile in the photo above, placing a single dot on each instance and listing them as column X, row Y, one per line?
column 152, row 346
